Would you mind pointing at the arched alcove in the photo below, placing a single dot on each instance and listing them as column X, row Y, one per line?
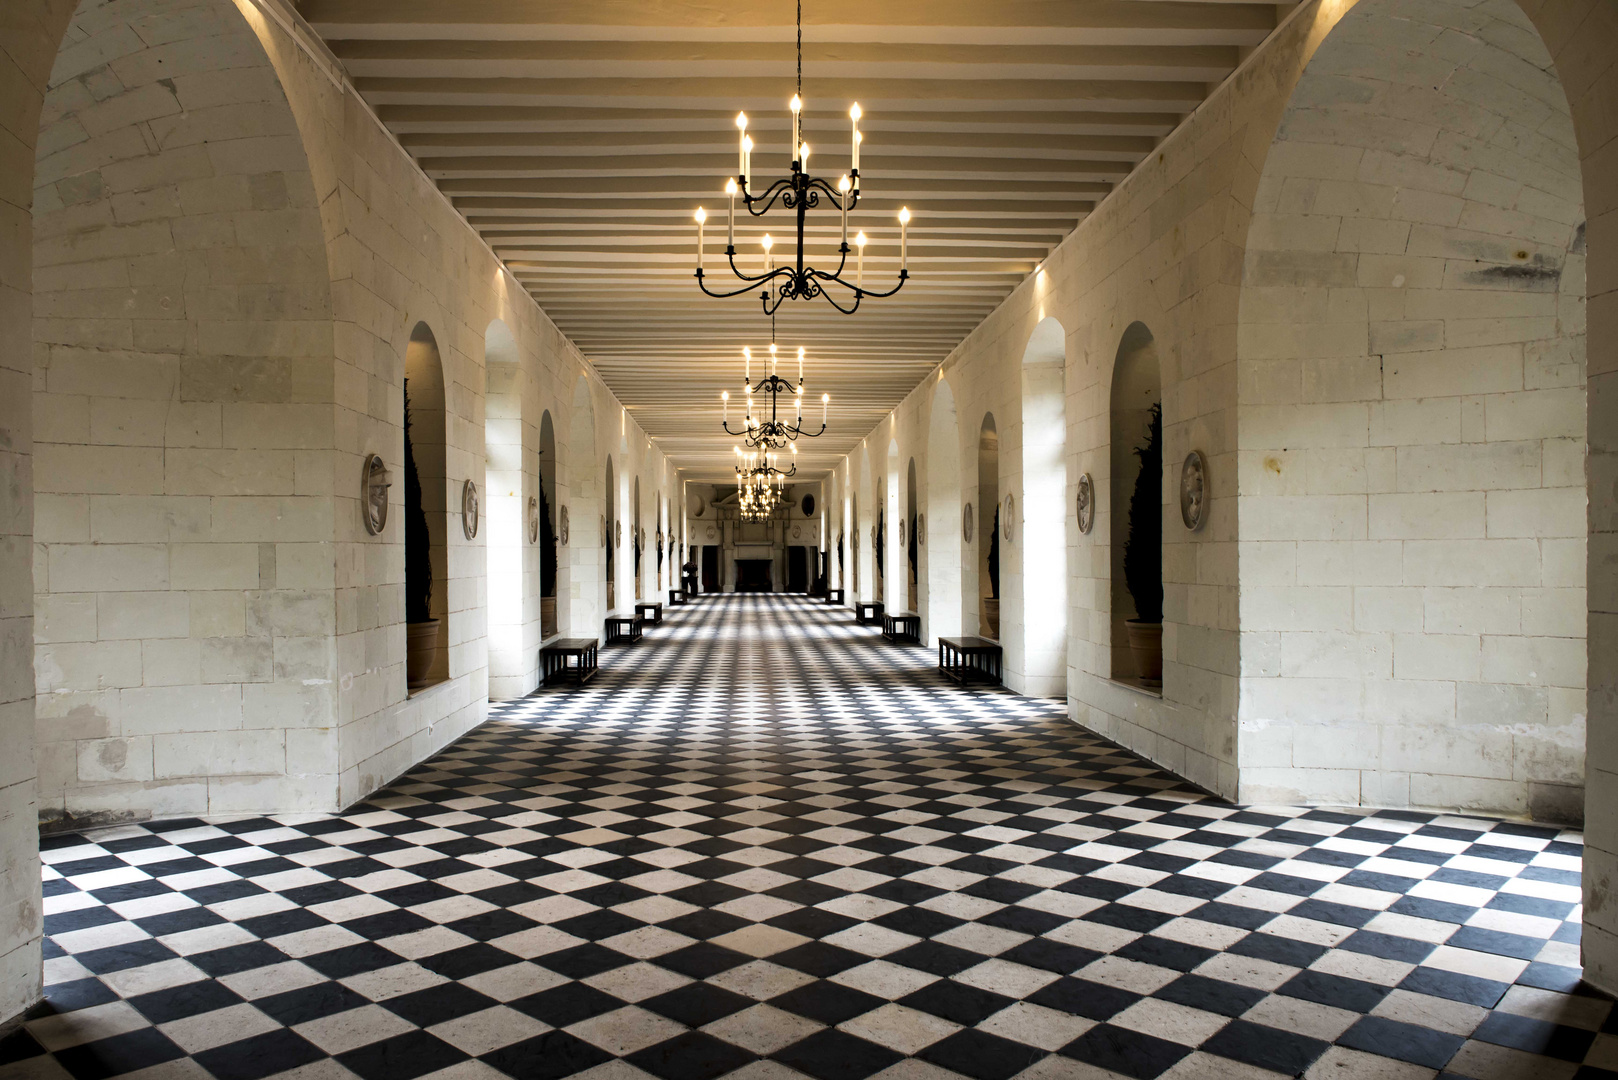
column 854, row 545
column 1135, row 505
column 1036, row 559
column 910, row 542
column 609, row 540
column 893, row 573
column 426, row 510
column 173, row 338
column 1412, row 423
column 505, row 492
column 551, row 553
column 637, row 544
column 579, row 550
column 943, row 534
column 989, row 535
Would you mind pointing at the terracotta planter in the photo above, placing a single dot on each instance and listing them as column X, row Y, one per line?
column 1146, row 642
column 421, row 646
column 989, row 624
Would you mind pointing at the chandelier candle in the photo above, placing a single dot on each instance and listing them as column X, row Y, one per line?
column 854, row 152
column 843, row 186
column 796, row 106
column 730, row 231
column 702, row 216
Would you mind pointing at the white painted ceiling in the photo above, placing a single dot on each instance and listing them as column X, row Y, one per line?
column 578, row 136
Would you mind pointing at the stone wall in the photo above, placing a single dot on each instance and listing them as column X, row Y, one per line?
column 183, row 426
column 399, row 255
column 232, row 258
column 1402, row 572
column 29, row 35
column 1411, row 385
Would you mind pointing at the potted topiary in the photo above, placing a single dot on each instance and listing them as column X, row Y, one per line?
column 421, row 629
column 990, row 627
column 1143, row 559
column 547, row 567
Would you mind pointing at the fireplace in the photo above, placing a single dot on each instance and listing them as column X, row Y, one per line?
column 753, row 575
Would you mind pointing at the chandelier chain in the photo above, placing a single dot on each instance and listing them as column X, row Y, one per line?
column 800, row 48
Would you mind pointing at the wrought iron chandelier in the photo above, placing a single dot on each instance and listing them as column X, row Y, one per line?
column 760, row 486
column 774, row 433
column 800, row 192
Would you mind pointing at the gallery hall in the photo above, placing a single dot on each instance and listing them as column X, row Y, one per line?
column 808, row 540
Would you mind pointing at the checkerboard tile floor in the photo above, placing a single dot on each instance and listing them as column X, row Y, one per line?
column 763, row 844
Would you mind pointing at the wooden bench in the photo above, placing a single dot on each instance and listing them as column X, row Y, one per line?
column 651, row 611
column 676, row 597
column 902, row 626
column 623, row 628
column 834, row 596
column 965, row 659
column 553, row 660
column 867, row 611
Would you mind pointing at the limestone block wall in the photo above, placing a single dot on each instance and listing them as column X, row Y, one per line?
column 1412, row 352
column 27, row 47
column 231, row 257
column 399, row 255
column 182, row 401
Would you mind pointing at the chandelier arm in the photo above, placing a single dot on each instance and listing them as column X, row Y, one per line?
column 756, row 279
column 836, row 196
column 861, row 291
column 726, row 295
column 767, row 200
column 832, row 300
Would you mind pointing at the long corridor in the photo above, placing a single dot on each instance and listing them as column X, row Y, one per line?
column 765, row 844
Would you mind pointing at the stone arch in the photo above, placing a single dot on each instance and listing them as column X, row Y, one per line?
column 988, row 536
column 609, row 542
column 551, row 552
column 181, row 353
column 864, row 553
column 506, row 490
column 1035, row 562
column 581, row 581
column 910, row 542
column 1412, row 422
column 943, row 534
column 427, row 599
column 1136, row 397
column 891, row 575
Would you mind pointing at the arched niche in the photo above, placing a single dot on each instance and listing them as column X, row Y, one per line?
column 891, row 579
column 551, row 553
column 609, row 542
column 427, row 508
column 855, row 547
column 1135, row 504
column 581, row 588
column 166, row 313
column 910, row 542
column 1035, row 566
column 505, row 493
column 637, row 549
column 1412, row 418
column 987, row 535
column 943, row 535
